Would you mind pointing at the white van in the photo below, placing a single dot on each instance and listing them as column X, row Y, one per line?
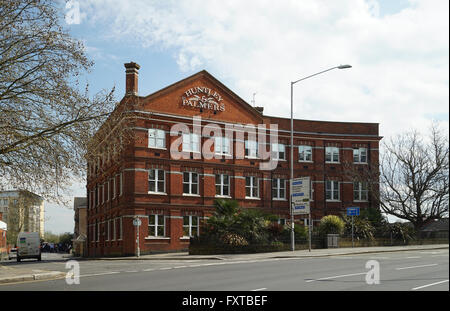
column 28, row 245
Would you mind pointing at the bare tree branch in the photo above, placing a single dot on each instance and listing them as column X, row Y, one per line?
column 414, row 177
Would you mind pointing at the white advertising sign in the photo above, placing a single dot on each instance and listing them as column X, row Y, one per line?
column 300, row 192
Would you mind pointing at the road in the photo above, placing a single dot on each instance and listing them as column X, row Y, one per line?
column 418, row 270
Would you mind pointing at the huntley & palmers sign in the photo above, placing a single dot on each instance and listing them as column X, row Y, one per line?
column 203, row 98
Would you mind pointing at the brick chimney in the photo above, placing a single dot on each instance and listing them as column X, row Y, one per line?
column 131, row 81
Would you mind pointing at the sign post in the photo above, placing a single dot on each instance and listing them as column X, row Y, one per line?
column 137, row 223
column 352, row 211
column 300, row 194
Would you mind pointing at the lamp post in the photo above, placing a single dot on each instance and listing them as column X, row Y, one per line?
column 292, row 148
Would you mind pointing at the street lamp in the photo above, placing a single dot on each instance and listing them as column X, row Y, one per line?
column 292, row 148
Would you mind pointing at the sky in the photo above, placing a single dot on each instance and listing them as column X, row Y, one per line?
column 398, row 50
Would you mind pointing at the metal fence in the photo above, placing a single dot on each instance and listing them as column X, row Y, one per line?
column 317, row 242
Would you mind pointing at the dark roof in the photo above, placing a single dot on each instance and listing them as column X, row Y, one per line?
column 437, row 225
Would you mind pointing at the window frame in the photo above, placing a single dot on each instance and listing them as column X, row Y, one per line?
column 156, row 181
column 120, row 229
column 281, row 221
column 305, row 153
column 120, row 184
column 187, row 146
column 360, row 190
column 278, row 187
column 190, row 225
column 333, row 190
column 156, row 225
column 107, row 191
column 252, row 186
column 333, row 151
column 276, row 153
column 221, row 184
column 222, row 145
column 251, row 143
column 114, row 187
column 158, row 135
column 113, row 238
column 108, row 229
column 359, row 156
column 190, row 183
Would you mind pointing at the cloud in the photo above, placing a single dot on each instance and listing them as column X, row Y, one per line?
column 400, row 61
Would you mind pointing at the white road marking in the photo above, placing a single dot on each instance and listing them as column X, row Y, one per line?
column 413, row 267
column 99, row 274
column 149, row 270
column 165, row 268
column 428, row 285
column 413, row 257
column 258, row 289
column 131, row 271
column 179, row 267
column 337, row 276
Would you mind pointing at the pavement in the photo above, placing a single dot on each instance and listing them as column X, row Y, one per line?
column 21, row 273
column 286, row 254
column 13, row 275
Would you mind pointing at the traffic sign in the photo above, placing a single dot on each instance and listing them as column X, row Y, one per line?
column 137, row 222
column 300, row 209
column 300, row 192
column 353, row 211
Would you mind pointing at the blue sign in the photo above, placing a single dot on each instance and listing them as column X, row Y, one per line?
column 352, row 211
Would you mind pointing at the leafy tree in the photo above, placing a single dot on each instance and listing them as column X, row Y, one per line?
column 66, row 238
column 226, row 208
column 376, row 219
column 252, row 224
column 232, row 223
column 51, row 237
column 224, row 218
column 46, row 118
column 373, row 215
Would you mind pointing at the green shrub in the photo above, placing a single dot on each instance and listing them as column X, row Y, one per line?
column 362, row 228
column 233, row 239
column 331, row 224
column 300, row 233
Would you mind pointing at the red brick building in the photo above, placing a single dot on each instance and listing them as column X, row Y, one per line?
column 173, row 196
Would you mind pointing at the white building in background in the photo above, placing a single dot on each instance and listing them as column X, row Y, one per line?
column 22, row 211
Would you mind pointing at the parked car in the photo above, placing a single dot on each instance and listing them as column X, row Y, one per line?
column 12, row 253
column 28, row 246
